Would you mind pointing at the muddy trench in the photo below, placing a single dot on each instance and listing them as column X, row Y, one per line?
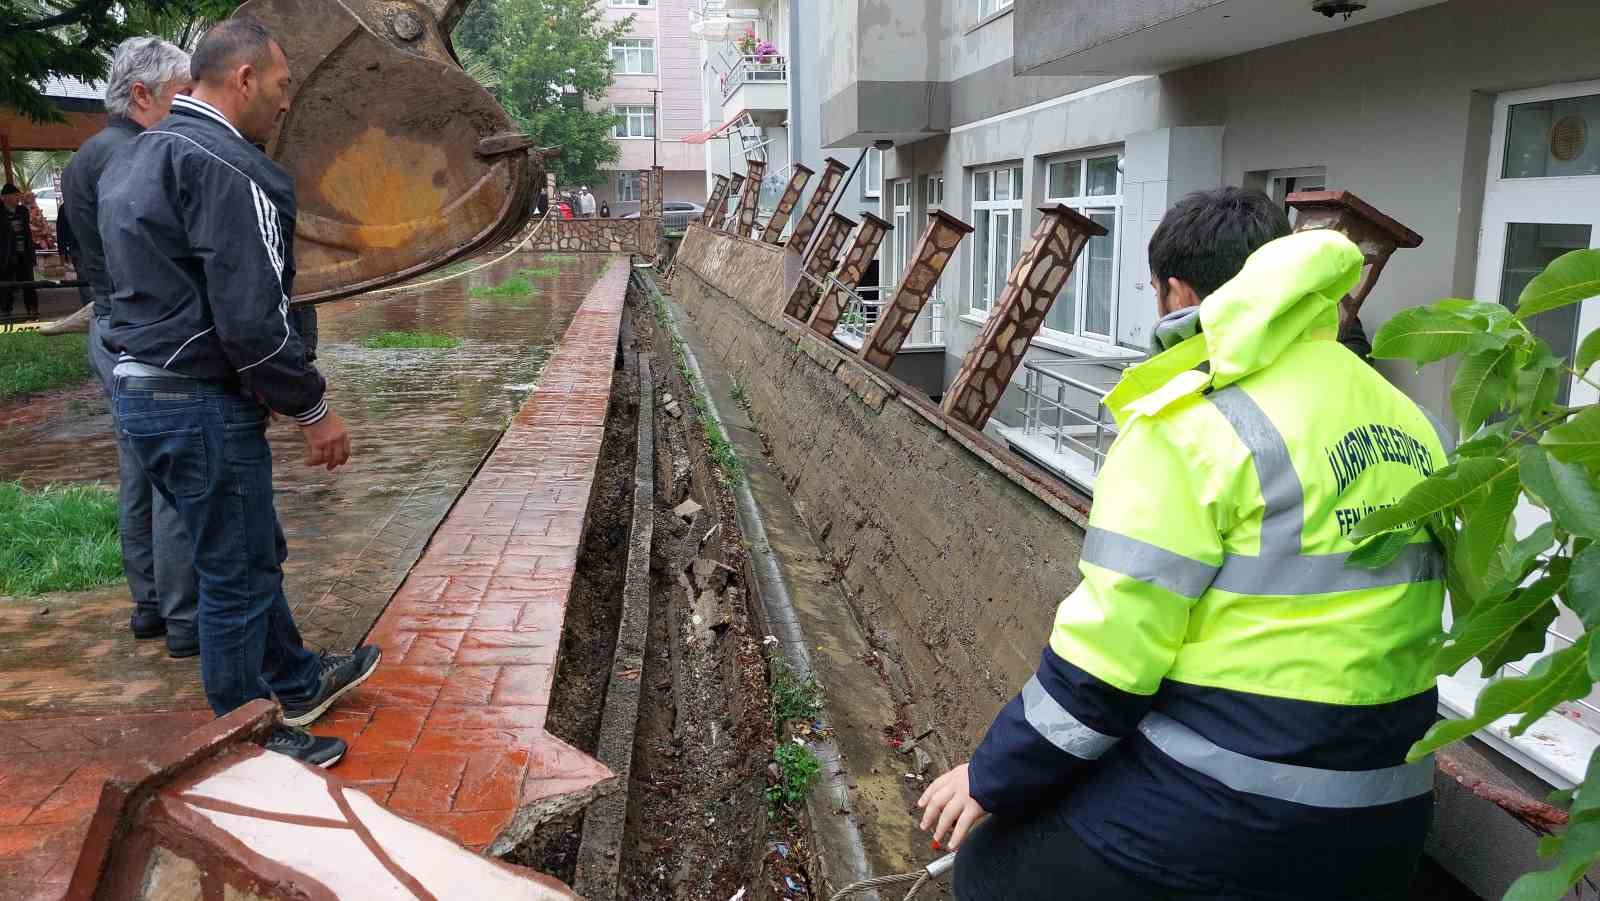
column 698, row 824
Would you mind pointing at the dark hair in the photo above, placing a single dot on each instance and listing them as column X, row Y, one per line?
column 10, row 189
column 230, row 44
column 1205, row 239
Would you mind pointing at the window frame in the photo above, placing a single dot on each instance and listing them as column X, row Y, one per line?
column 872, row 187
column 899, row 255
column 631, row 4
column 1086, row 204
column 634, row 48
column 988, row 9
column 629, row 112
column 929, row 185
column 1011, row 209
column 627, row 186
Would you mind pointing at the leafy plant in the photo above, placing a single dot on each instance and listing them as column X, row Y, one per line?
column 57, row 538
column 410, row 340
column 793, row 698
column 515, row 286
column 798, row 772
column 1504, row 589
column 31, row 362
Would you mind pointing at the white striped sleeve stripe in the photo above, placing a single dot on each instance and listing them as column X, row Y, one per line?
column 313, row 415
column 267, row 224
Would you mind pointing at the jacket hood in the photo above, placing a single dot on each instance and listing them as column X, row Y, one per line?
column 1288, row 291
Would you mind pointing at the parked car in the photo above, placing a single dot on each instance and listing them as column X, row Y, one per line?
column 49, row 202
column 677, row 214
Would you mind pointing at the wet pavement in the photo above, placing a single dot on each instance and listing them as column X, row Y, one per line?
column 421, row 422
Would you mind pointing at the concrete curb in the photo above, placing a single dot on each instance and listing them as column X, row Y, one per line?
column 600, row 849
column 830, row 807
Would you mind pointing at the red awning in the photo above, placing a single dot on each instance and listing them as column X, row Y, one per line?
column 700, row 137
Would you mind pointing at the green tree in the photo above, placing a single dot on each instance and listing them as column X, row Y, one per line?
column 548, row 59
column 44, row 38
column 1522, row 446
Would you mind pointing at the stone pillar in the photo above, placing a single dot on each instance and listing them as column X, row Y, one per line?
column 714, row 202
column 735, row 187
column 1018, row 315
column 786, row 203
column 827, row 186
column 745, row 215
column 658, row 190
column 550, row 193
column 645, row 210
column 945, row 232
column 1377, row 235
column 865, row 246
column 821, row 262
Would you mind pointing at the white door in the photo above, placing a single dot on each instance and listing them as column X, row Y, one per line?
column 1542, row 200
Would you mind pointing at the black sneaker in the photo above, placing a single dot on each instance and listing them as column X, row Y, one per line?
column 147, row 625
column 180, row 647
column 305, row 747
column 340, row 673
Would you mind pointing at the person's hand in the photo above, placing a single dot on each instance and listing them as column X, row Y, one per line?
column 948, row 807
column 327, row 443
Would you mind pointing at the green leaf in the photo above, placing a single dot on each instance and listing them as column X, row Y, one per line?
column 1588, row 352
column 1575, row 849
column 1481, row 310
column 1577, row 440
column 1565, row 489
column 1439, row 492
column 1562, row 676
column 1482, row 384
column 1538, row 379
column 1485, row 526
column 1574, row 276
column 1583, row 587
column 1426, row 334
column 1504, row 632
column 1488, row 441
column 1380, row 551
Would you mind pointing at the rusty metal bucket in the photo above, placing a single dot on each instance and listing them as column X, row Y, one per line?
column 401, row 162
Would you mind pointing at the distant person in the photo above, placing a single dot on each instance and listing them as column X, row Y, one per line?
column 585, row 203
column 197, row 223
column 541, row 203
column 157, row 555
column 20, row 255
column 605, row 210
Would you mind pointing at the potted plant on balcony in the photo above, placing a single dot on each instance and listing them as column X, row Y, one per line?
column 746, row 43
column 766, row 51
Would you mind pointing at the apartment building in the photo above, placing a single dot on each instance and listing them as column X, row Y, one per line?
column 1468, row 121
column 657, row 96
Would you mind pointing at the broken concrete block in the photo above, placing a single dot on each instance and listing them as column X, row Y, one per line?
column 687, row 509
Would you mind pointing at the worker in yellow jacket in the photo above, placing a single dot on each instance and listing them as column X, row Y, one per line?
column 1223, row 707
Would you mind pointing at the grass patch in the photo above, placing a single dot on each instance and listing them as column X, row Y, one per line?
column 535, row 272
column 31, row 362
column 793, row 698
column 515, row 286
column 798, row 772
column 739, row 396
column 722, row 452
column 57, row 538
column 385, row 340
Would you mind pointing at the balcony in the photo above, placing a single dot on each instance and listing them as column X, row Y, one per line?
column 1148, row 37
column 758, row 86
column 1066, row 427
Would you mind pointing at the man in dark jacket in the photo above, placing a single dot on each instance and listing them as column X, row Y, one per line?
column 198, row 226
column 157, row 555
column 20, row 258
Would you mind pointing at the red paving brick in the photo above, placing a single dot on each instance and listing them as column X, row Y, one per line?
column 450, row 730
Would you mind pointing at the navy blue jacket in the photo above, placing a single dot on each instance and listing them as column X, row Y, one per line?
column 198, row 229
column 80, row 184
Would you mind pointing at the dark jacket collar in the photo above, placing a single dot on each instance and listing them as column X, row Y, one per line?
column 183, row 105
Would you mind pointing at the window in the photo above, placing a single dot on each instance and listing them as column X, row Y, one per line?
column 997, row 237
column 1550, row 138
column 933, row 193
column 633, row 3
column 900, row 238
column 1087, row 303
column 990, row 7
column 627, row 187
column 634, row 56
column 635, row 121
column 1283, row 182
column 872, row 173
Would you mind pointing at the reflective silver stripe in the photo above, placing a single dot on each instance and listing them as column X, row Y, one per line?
column 1305, row 574
column 1284, row 516
column 1285, row 781
column 1446, row 440
column 1060, row 728
column 1148, row 563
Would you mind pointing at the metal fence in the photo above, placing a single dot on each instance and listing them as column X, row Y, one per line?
column 1066, row 410
column 749, row 69
column 860, row 314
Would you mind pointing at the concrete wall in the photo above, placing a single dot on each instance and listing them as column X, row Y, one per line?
column 955, row 550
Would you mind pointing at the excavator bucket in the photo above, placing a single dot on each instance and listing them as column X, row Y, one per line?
column 401, row 161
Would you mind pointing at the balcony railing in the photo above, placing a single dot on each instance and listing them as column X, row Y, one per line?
column 1065, row 423
column 755, row 70
column 860, row 314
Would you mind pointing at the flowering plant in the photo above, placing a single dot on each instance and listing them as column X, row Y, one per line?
column 746, row 43
column 765, row 51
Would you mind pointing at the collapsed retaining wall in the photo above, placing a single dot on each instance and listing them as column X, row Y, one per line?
column 955, row 550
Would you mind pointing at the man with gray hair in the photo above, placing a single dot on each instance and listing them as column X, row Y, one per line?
column 157, row 556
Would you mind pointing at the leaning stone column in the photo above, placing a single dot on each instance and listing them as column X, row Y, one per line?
column 821, row 262
column 1018, row 314
column 745, row 215
column 645, row 210
column 1377, row 235
column 719, row 194
column 895, row 319
column 786, row 203
column 865, row 246
column 658, row 190
column 719, row 216
column 827, row 186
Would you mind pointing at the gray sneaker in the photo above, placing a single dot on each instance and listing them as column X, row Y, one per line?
column 341, row 673
column 309, row 749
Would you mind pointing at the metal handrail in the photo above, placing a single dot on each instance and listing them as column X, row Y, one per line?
column 746, row 69
column 1048, row 409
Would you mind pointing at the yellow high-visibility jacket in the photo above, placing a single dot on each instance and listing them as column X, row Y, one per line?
column 1227, row 704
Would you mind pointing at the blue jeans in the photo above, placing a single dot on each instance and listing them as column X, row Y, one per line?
column 157, row 556
column 205, row 448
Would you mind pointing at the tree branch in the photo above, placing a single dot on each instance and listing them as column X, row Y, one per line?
column 67, row 16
